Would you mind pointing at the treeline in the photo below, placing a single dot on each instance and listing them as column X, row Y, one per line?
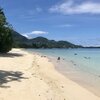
column 5, row 34
column 41, row 42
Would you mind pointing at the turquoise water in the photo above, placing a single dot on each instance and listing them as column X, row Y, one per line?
column 87, row 59
column 85, row 69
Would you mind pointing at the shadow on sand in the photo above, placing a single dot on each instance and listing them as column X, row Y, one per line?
column 10, row 55
column 9, row 76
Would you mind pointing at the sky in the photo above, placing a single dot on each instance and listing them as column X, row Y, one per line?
column 76, row 21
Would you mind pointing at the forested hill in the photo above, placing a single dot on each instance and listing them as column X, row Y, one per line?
column 39, row 42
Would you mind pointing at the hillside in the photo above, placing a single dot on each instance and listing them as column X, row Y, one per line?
column 19, row 40
column 39, row 42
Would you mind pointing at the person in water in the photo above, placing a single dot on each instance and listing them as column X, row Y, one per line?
column 58, row 58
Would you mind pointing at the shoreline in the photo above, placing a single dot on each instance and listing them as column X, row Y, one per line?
column 28, row 76
column 78, row 76
column 56, row 64
column 70, row 70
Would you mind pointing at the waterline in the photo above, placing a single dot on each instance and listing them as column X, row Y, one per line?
column 80, row 65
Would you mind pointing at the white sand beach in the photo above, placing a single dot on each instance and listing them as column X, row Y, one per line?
column 25, row 76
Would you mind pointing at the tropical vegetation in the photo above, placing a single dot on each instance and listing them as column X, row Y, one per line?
column 5, row 34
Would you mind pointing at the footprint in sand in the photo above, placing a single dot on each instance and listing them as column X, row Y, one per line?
column 62, row 86
column 47, row 91
column 38, row 65
column 40, row 78
column 39, row 95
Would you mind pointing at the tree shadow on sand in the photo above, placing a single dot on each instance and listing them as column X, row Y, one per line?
column 9, row 76
column 12, row 55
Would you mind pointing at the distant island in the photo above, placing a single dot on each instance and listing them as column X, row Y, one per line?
column 20, row 41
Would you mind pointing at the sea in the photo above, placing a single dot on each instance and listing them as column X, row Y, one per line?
column 81, row 65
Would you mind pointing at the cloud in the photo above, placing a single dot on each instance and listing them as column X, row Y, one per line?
column 38, row 32
column 25, row 35
column 30, row 34
column 70, row 7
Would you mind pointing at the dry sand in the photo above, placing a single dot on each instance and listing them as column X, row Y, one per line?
column 25, row 76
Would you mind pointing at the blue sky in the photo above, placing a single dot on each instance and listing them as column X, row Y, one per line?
column 77, row 21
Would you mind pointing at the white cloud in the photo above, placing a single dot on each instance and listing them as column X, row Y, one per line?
column 29, row 35
column 25, row 35
column 38, row 32
column 69, row 7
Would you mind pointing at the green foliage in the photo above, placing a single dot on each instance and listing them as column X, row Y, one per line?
column 2, row 18
column 5, row 34
column 39, row 42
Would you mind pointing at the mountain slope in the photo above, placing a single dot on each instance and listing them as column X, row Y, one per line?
column 19, row 40
column 39, row 42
